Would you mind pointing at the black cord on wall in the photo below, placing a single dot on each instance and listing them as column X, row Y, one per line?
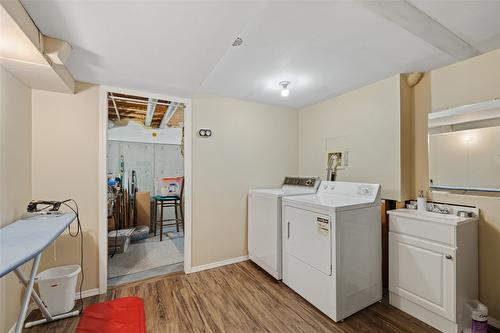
column 79, row 231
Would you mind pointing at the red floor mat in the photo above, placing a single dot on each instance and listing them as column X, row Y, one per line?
column 123, row 315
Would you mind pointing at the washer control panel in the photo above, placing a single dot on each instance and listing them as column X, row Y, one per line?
column 350, row 189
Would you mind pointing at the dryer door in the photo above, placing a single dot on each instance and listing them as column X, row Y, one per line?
column 309, row 238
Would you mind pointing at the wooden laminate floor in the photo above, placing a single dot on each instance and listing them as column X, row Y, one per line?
column 238, row 298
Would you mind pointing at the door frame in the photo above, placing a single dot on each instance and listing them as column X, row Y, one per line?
column 102, row 177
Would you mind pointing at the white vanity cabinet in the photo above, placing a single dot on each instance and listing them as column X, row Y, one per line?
column 433, row 264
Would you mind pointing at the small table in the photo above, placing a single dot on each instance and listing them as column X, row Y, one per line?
column 25, row 240
column 164, row 202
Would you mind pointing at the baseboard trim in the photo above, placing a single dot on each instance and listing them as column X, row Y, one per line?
column 218, row 264
column 87, row 293
column 494, row 322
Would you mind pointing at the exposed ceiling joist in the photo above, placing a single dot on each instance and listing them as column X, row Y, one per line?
column 177, row 120
column 139, row 100
column 114, row 104
column 166, row 117
column 150, row 111
column 418, row 23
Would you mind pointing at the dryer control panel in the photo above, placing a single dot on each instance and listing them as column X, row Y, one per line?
column 301, row 181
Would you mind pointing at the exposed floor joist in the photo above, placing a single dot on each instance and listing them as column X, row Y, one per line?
column 166, row 117
column 177, row 119
column 148, row 111
column 114, row 105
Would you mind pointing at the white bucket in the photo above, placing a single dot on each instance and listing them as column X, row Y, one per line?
column 57, row 288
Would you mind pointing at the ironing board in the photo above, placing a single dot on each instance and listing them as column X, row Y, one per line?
column 25, row 240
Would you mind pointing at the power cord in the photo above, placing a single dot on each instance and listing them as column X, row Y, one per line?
column 79, row 231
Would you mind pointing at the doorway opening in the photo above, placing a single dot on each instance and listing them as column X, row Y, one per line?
column 147, row 187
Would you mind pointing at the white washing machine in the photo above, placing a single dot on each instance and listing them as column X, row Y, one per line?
column 332, row 249
column 264, row 221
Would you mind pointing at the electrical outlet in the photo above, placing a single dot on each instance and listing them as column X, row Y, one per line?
column 203, row 132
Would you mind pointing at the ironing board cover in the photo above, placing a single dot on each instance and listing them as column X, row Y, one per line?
column 22, row 240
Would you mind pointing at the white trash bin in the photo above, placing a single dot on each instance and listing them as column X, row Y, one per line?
column 57, row 288
column 475, row 317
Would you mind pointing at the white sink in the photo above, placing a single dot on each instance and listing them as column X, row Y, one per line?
column 433, row 260
column 451, row 218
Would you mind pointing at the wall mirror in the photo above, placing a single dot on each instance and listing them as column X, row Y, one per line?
column 464, row 147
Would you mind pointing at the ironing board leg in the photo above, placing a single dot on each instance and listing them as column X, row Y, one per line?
column 34, row 295
column 27, row 294
column 47, row 317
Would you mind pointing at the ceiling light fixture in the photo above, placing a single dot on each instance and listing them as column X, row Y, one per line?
column 284, row 88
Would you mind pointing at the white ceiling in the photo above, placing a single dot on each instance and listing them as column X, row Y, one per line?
column 323, row 47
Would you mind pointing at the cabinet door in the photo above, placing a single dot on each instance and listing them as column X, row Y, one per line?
column 423, row 272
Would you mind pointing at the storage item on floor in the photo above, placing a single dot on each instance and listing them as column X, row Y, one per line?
column 332, row 247
column 118, row 240
column 57, row 288
column 120, row 201
column 264, row 221
column 141, row 232
column 475, row 317
column 124, row 315
column 172, row 200
column 143, row 208
column 111, row 223
column 433, row 264
column 175, row 235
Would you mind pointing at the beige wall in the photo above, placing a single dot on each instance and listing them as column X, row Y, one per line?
column 65, row 165
column 365, row 122
column 15, row 176
column 253, row 145
column 466, row 82
column 469, row 81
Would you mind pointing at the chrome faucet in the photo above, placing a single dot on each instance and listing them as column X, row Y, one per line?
column 436, row 209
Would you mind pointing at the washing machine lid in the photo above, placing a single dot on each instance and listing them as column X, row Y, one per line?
column 291, row 186
column 339, row 196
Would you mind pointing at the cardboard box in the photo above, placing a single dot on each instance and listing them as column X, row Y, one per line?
column 143, row 208
column 118, row 240
column 111, row 223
